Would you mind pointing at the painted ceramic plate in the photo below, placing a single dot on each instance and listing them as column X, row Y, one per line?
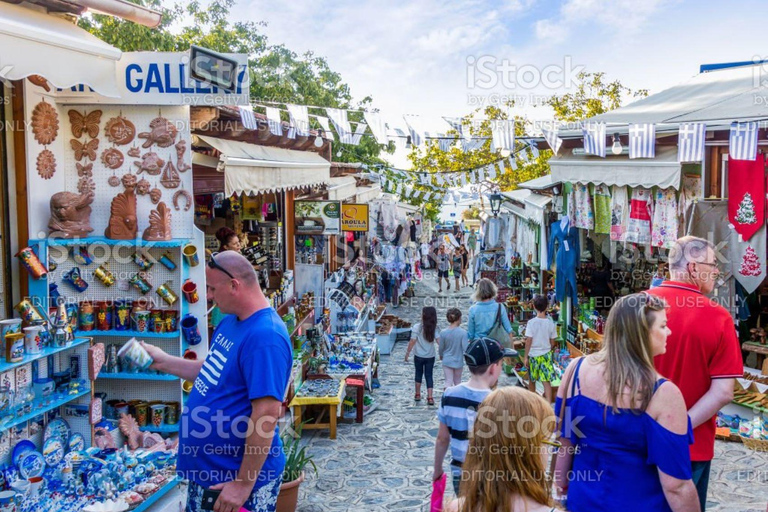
column 53, row 451
column 57, row 428
column 32, row 464
column 76, row 442
column 23, row 446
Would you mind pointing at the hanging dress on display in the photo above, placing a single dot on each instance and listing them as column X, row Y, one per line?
column 665, row 220
column 584, row 218
column 602, row 209
column 690, row 192
column 619, row 213
column 567, row 257
column 640, row 210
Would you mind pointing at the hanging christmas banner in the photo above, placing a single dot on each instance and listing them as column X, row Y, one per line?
column 746, row 195
column 748, row 260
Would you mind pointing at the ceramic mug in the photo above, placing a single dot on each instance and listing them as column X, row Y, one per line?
column 35, row 483
column 157, row 321
column 190, row 291
column 10, row 326
column 122, row 315
column 171, row 319
column 140, row 320
column 190, row 330
column 135, row 354
column 190, row 255
column 32, row 343
column 158, row 414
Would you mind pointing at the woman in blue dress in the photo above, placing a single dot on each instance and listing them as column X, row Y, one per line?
column 626, row 432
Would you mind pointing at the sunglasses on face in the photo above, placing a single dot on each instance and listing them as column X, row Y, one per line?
column 212, row 264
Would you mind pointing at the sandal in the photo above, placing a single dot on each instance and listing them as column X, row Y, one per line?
column 430, row 401
column 417, row 397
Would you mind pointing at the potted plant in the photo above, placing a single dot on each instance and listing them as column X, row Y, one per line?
column 296, row 461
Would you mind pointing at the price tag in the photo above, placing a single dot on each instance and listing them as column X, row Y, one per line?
column 565, row 244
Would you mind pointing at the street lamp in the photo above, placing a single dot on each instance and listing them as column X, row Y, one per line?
column 495, row 200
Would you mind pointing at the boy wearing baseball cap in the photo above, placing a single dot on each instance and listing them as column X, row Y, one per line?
column 458, row 407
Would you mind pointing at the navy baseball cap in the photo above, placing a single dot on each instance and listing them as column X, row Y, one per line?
column 486, row 351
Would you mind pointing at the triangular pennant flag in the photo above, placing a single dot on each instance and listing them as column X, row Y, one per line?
column 247, row 117
column 378, row 126
column 503, row 134
column 499, row 168
column 534, row 151
column 552, row 139
column 299, row 119
column 341, row 123
column 594, row 138
column 273, row 119
column 491, row 172
column 513, row 163
column 445, row 142
column 327, row 133
column 417, row 136
column 523, row 155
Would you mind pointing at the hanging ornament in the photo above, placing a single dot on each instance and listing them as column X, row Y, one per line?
column 163, row 133
column 120, row 131
column 113, row 180
column 85, row 150
column 134, row 152
column 88, row 123
column 112, row 158
column 150, row 163
column 86, row 185
column 46, row 164
column 129, row 181
column 142, row 188
column 170, row 178
column 181, row 148
column 45, row 123
column 186, row 195
column 155, row 194
column 84, row 171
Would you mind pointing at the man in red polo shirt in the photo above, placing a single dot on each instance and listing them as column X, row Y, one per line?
column 703, row 353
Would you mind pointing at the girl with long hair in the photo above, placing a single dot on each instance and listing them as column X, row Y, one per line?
column 629, row 425
column 506, row 465
column 423, row 340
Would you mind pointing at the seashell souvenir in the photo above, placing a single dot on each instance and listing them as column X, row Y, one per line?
column 84, row 171
column 186, row 195
column 112, row 158
column 120, row 131
column 163, row 133
column 155, row 194
column 85, row 150
column 170, row 178
column 150, row 163
column 46, row 164
column 134, row 152
column 88, row 123
column 45, row 123
column 122, row 219
column 142, row 188
column 159, row 224
column 86, row 185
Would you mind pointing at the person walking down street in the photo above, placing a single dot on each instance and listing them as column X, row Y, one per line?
column 464, row 265
column 240, row 387
column 625, row 431
column 459, row 405
column 703, row 354
column 498, row 448
column 453, row 343
column 472, row 242
column 540, row 334
column 487, row 315
column 423, row 341
column 443, row 266
column 458, row 263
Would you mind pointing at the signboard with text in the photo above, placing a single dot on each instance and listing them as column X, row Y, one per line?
column 317, row 217
column 354, row 217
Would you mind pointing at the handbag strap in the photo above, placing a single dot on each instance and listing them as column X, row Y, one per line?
column 566, row 383
column 497, row 322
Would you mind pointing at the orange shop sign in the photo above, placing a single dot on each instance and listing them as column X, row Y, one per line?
column 354, row 217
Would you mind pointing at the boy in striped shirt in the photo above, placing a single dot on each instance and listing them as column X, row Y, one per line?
column 459, row 405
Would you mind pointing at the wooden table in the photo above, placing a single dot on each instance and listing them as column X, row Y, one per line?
column 332, row 403
column 760, row 351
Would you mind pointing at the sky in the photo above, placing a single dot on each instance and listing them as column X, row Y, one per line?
column 434, row 58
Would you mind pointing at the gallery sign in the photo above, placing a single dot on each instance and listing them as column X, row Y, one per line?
column 354, row 217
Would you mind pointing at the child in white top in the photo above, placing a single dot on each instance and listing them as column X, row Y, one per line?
column 540, row 336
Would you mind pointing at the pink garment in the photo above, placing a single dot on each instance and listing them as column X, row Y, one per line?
column 584, row 216
column 619, row 213
column 438, row 491
column 665, row 220
column 640, row 213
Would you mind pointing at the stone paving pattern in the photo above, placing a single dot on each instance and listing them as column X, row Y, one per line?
column 385, row 463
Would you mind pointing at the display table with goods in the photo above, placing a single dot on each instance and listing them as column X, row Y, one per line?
column 326, row 393
column 745, row 420
column 121, row 264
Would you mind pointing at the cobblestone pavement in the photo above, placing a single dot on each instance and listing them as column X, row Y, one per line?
column 385, row 463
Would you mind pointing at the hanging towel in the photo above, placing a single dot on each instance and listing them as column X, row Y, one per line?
column 665, row 224
column 273, row 119
column 619, row 213
column 583, row 217
column 602, row 209
column 640, row 212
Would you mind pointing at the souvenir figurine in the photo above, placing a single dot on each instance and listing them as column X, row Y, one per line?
column 74, row 279
column 70, row 214
column 123, row 223
column 159, row 224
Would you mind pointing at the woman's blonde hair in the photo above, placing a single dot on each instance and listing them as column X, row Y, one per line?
column 505, row 458
column 485, row 290
column 627, row 350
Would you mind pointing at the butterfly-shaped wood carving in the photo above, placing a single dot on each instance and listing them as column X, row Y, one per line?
column 84, row 171
column 88, row 149
column 88, row 123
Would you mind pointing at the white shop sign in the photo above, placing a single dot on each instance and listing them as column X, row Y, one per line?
column 162, row 78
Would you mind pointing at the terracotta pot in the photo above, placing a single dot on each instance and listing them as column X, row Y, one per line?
column 288, row 499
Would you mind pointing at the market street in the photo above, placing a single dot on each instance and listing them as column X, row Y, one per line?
column 385, row 463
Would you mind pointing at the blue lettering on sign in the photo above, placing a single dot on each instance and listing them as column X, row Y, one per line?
column 168, row 87
column 130, row 84
column 153, row 79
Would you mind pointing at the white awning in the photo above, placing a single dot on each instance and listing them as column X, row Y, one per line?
column 342, row 189
column 250, row 168
column 367, row 194
column 35, row 43
column 662, row 171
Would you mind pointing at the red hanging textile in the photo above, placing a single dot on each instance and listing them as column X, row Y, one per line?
column 746, row 195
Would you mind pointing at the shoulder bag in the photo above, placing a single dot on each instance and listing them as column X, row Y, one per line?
column 497, row 331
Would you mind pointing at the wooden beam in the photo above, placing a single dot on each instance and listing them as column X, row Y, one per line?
column 20, row 172
column 290, row 236
column 201, row 117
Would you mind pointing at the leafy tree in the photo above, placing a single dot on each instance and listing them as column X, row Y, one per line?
column 594, row 95
column 471, row 213
column 277, row 74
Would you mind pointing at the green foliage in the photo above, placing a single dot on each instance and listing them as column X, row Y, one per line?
column 593, row 96
column 277, row 74
column 471, row 213
column 296, row 458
